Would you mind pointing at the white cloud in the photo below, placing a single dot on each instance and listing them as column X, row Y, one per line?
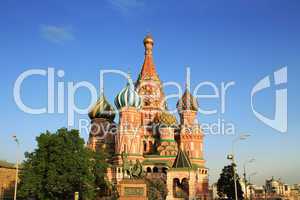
column 125, row 5
column 56, row 34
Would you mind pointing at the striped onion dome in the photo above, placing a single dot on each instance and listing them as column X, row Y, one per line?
column 128, row 97
column 102, row 109
column 187, row 102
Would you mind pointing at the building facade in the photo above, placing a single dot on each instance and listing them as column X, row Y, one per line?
column 147, row 132
column 7, row 180
column 277, row 188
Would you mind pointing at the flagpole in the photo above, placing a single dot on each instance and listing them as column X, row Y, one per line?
column 17, row 167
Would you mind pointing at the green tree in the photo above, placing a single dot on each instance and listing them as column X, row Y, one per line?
column 58, row 167
column 156, row 189
column 100, row 166
column 103, row 186
column 225, row 185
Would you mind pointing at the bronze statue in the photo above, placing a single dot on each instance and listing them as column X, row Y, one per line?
column 134, row 171
column 137, row 170
column 126, row 164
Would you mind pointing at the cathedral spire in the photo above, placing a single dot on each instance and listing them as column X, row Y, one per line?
column 148, row 71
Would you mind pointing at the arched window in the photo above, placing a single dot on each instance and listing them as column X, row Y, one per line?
column 176, row 187
column 149, row 170
column 164, row 170
column 155, row 170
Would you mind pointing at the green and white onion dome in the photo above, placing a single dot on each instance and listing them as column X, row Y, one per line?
column 128, row 97
column 102, row 109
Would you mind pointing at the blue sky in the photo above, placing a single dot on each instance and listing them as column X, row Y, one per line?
column 234, row 40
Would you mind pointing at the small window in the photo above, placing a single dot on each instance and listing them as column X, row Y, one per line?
column 145, row 146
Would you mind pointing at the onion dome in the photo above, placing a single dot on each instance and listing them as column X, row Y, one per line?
column 128, row 97
column 187, row 102
column 165, row 118
column 102, row 109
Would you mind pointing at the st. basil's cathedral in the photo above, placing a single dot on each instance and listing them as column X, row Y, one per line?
column 148, row 133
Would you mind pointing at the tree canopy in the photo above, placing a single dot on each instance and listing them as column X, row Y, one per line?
column 156, row 189
column 225, row 185
column 60, row 166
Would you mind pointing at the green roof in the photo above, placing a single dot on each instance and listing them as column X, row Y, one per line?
column 182, row 160
column 155, row 162
column 167, row 140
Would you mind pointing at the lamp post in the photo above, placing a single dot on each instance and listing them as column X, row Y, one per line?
column 232, row 158
column 245, row 176
column 252, row 174
column 17, row 165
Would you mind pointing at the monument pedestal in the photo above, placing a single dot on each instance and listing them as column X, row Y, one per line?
column 132, row 189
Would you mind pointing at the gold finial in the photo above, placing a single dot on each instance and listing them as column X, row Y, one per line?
column 148, row 43
column 148, row 38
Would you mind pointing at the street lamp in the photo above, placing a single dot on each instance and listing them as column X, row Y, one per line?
column 17, row 165
column 231, row 157
column 245, row 177
column 252, row 174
